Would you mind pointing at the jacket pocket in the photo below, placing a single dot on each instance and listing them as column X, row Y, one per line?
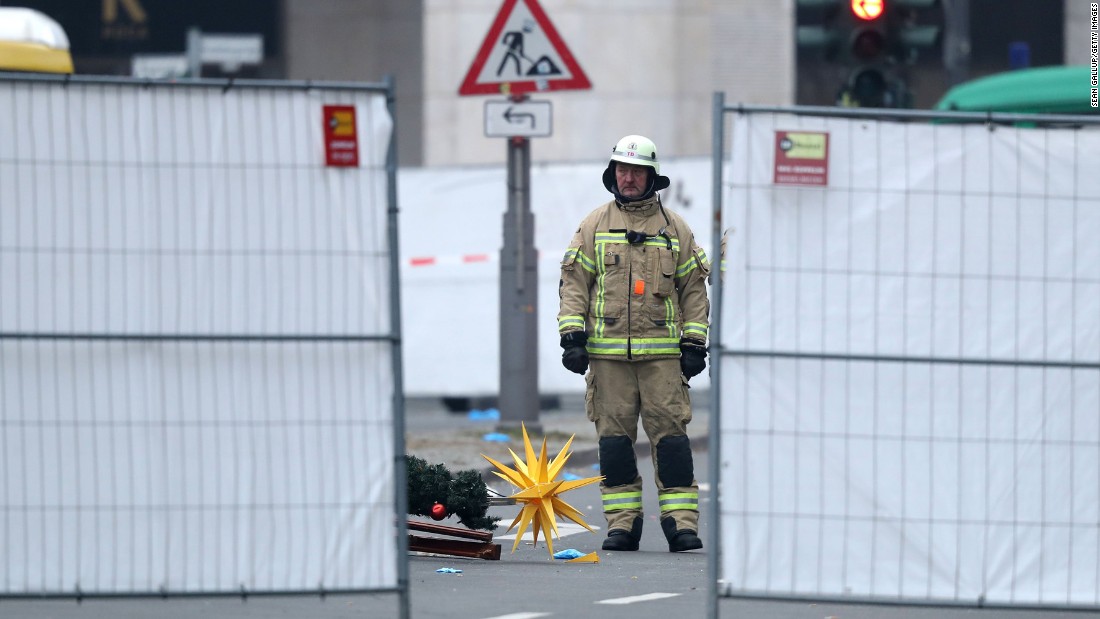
column 607, row 299
column 611, row 259
column 685, row 413
column 701, row 260
column 665, row 273
column 569, row 259
column 590, row 396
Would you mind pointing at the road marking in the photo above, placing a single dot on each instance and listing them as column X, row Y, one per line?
column 638, row 598
column 521, row 616
column 564, row 529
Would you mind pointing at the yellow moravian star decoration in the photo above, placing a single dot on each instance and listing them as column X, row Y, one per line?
column 539, row 490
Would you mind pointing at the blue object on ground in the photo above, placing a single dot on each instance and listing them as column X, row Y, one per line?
column 570, row 477
column 568, row 553
column 496, row 437
column 448, row 570
column 490, row 414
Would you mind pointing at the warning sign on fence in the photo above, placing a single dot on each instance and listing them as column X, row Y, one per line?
column 801, row 158
column 341, row 137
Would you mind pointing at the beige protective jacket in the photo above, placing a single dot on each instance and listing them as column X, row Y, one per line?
column 634, row 300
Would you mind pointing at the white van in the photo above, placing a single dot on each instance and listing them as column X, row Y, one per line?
column 32, row 41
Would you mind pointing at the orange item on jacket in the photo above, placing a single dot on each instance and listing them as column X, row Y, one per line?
column 639, row 286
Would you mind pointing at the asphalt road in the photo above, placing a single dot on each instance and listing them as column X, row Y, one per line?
column 528, row 584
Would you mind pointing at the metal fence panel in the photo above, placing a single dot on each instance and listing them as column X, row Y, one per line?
column 910, row 365
column 198, row 387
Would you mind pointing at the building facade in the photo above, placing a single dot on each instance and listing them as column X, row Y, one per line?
column 653, row 64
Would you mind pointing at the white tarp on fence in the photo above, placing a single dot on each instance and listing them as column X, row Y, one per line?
column 170, row 420
column 913, row 410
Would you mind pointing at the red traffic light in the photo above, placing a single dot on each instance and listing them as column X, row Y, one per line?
column 868, row 10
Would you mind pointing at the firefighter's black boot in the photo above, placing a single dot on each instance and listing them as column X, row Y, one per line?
column 680, row 540
column 621, row 539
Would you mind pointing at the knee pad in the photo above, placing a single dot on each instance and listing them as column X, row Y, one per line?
column 617, row 462
column 674, row 463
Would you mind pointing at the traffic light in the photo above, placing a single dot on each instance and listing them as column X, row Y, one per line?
column 874, row 40
column 867, row 43
column 868, row 49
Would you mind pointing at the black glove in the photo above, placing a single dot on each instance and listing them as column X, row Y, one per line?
column 574, row 357
column 693, row 358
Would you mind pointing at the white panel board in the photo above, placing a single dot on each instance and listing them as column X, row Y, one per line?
column 910, row 410
column 172, row 462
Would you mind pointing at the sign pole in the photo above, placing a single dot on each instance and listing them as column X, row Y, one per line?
column 522, row 53
column 519, row 385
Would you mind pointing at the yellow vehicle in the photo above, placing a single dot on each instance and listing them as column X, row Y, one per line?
column 32, row 41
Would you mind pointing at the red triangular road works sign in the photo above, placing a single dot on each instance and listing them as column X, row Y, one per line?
column 523, row 53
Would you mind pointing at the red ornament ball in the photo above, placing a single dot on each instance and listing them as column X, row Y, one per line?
column 439, row 512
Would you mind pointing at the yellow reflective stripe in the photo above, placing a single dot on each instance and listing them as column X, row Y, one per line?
column 617, row 238
column 686, row 267
column 670, row 317
column 636, row 494
column 654, row 348
column 601, row 289
column 586, row 263
column 638, row 346
column 606, row 346
column 659, row 241
column 567, row 322
column 679, row 500
column 691, row 263
column 696, row 329
column 622, row 500
column 598, row 350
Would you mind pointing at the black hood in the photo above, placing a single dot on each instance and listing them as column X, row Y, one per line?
column 656, row 183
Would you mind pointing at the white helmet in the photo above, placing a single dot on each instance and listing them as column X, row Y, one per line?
column 635, row 150
column 638, row 150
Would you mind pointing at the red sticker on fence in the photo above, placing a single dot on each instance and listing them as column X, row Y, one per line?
column 801, row 158
column 341, row 136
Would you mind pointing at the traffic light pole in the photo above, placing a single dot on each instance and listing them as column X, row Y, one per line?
column 519, row 388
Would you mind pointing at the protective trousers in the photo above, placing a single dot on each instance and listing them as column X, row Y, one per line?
column 618, row 393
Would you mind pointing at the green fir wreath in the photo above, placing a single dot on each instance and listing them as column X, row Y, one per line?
column 463, row 494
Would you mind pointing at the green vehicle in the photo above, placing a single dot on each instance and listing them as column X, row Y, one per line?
column 1040, row 90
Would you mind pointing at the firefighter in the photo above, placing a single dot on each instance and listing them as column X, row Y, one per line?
column 634, row 315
